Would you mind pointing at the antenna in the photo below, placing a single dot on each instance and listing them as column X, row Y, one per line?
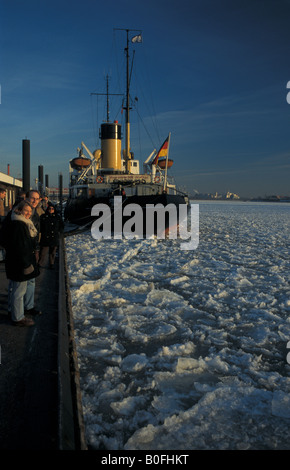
column 107, row 95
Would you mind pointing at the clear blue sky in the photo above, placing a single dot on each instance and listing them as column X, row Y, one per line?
column 211, row 72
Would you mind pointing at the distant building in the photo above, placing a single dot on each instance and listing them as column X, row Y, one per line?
column 13, row 186
column 216, row 195
column 232, row 196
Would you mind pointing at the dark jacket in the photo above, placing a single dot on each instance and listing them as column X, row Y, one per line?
column 51, row 226
column 20, row 252
column 36, row 222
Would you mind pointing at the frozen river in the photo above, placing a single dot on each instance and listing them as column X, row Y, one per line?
column 187, row 349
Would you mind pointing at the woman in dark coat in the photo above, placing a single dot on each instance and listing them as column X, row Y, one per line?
column 20, row 261
column 51, row 226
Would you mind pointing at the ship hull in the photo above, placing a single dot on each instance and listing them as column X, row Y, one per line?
column 79, row 210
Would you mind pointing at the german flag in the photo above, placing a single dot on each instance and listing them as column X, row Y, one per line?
column 162, row 151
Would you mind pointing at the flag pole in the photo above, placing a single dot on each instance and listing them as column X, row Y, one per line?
column 166, row 166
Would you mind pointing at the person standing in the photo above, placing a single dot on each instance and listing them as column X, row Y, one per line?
column 44, row 202
column 33, row 197
column 51, row 226
column 2, row 217
column 20, row 263
column 2, row 206
column 21, row 197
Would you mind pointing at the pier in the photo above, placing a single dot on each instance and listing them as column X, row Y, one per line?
column 40, row 404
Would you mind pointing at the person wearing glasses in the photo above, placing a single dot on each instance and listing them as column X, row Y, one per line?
column 33, row 197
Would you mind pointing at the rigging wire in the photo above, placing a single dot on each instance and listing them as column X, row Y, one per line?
column 149, row 94
column 145, row 128
column 148, row 105
column 94, row 120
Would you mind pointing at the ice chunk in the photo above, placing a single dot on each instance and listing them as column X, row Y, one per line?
column 281, row 404
column 134, row 363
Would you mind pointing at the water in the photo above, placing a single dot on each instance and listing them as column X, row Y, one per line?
column 187, row 349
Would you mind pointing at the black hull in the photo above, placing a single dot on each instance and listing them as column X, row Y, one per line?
column 78, row 211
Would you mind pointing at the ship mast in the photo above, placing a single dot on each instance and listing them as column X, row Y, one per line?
column 127, row 141
column 127, row 107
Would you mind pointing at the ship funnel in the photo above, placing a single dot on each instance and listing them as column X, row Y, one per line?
column 110, row 135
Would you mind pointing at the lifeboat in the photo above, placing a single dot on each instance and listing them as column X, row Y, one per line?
column 162, row 163
column 79, row 163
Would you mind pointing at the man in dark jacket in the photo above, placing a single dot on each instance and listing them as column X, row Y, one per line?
column 51, row 226
column 20, row 262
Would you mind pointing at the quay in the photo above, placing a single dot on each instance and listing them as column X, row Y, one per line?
column 40, row 405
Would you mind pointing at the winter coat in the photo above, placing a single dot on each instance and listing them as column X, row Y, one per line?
column 51, row 226
column 2, row 209
column 20, row 262
column 36, row 221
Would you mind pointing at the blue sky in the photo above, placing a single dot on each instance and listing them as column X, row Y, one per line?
column 211, row 72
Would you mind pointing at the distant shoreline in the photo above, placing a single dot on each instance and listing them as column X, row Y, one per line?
column 240, row 199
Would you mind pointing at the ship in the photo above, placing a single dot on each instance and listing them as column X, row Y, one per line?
column 99, row 177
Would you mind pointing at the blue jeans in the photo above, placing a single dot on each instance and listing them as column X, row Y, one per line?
column 20, row 298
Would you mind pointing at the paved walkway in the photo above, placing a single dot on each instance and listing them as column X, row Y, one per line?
column 28, row 371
